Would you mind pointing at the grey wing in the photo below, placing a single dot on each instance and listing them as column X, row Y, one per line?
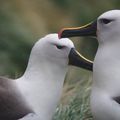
column 31, row 116
column 12, row 104
column 117, row 99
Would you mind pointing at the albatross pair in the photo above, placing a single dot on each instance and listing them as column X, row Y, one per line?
column 35, row 95
column 105, row 96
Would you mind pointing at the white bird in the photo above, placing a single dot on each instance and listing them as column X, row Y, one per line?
column 35, row 95
column 105, row 96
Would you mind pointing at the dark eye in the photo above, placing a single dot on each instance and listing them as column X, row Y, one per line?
column 60, row 47
column 105, row 21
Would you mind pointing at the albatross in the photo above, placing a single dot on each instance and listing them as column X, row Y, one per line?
column 105, row 96
column 35, row 95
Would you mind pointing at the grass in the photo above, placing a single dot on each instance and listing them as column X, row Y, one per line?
column 77, row 106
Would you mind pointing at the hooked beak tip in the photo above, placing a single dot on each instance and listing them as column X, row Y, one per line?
column 60, row 33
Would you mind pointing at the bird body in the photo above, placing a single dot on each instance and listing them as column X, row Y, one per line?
column 105, row 94
column 42, row 95
column 106, row 73
column 43, row 80
column 35, row 95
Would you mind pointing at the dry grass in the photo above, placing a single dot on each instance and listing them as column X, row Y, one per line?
column 75, row 101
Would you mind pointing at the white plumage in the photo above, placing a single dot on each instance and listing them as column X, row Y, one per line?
column 105, row 96
column 35, row 95
column 39, row 89
column 43, row 79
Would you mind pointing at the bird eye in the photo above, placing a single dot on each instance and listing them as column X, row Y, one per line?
column 105, row 21
column 60, row 47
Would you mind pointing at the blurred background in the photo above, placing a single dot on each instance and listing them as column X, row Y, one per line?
column 23, row 22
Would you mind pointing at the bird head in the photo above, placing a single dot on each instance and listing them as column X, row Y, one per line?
column 108, row 27
column 60, row 52
column 105, row 28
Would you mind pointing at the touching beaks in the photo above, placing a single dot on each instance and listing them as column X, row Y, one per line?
column 76, row 59
column 86, row 30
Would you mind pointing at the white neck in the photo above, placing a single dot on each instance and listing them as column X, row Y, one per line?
column 42, row 86
column 106, row 65
column 106, row 83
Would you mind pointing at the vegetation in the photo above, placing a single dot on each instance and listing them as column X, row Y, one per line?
column 77, row 107
column 22, row 22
